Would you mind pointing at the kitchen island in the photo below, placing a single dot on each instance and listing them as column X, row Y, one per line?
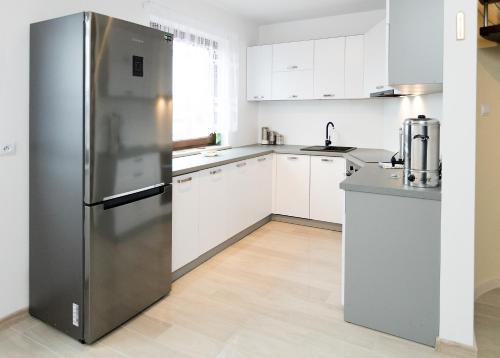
column 391, row 242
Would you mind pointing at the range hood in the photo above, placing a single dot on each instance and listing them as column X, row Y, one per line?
column 387, row 93
column 490, row 32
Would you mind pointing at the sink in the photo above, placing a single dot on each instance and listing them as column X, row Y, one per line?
column 322, row 148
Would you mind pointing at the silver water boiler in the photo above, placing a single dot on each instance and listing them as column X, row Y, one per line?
column 422, row 165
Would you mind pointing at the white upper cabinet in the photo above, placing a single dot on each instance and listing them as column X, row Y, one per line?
column 326, row 197
column 293, row 56
column 259, row 72
column 376, row 59
column 293, row 85
column 354, row 67
column 329, row 68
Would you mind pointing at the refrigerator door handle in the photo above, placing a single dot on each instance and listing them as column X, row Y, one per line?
column 114, row 201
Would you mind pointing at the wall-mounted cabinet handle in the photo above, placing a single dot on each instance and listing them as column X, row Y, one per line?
column 379, row 87
column 217, row 171
column 185, row 180
column 326, row 160
column 293, row 67
column 258, row 97
column 293, row 96
column 261, row 159
column 240, row 165
column 329, row 95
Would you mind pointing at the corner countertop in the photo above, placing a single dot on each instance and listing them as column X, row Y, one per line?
column 370, row 178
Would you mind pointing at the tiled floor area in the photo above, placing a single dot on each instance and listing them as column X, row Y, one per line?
column 274, row 294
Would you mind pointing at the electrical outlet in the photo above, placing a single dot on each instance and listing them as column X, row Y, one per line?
column 485, row 110
column 7, row 149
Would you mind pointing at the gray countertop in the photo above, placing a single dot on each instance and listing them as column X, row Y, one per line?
column 370, row 178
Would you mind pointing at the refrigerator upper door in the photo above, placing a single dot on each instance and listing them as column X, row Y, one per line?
column 128, row 107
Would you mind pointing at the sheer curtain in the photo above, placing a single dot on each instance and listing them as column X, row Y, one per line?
column 205, row 82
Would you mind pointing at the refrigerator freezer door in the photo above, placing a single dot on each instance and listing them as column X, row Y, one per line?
column 128, row 258
column 128, row 107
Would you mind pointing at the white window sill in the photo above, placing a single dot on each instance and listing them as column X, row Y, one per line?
column 194, row 151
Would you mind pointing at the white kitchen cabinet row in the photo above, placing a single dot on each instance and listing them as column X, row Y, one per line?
column 318, row 69
column 308, row 187
column 213, row 205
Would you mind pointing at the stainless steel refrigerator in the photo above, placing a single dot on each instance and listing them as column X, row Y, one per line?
column 100, row 172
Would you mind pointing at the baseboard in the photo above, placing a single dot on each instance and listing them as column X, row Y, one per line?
column 14, row 317
column 455, row 349
column 486, row 286
column 307, row 222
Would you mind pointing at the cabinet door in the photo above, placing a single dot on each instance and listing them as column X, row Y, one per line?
column 376, row 59
column 354, row 67
column 292, row 185
column 185, row 240
column 292, row 85
column 213, row 208
column 329, row 68
column 293, row 56
column 261, row 188
column 259, row 72
column 326, row 200
column 240, row 176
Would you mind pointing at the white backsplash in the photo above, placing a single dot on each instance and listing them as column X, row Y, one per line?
column 369, row 123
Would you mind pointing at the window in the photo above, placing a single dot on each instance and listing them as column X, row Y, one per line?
column 197, row 86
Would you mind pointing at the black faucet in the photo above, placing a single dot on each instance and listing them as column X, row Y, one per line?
column 328, row 140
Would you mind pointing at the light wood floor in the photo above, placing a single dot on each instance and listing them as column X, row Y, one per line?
column 487, row 324
column 274, row 294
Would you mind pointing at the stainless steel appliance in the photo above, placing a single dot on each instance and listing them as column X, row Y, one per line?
column 264, row 135
column 280, row 139
column 422, row 166
column 100, row 172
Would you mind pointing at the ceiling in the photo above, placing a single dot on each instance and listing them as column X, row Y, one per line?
column 272, row 11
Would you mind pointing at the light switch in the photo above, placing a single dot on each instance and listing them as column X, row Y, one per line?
column 485, row 110
column 460, row 26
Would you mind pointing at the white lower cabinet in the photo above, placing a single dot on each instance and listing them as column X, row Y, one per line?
column 292, row 185
column 185, row 240
column 213, row 207
column 261, row 188
column 326, row 198
column 239, row 195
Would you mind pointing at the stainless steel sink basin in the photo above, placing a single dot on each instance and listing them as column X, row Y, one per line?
column 322, row 148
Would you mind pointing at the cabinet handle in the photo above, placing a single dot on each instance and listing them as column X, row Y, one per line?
column 328, row 95
column 326, row 160
column 293, row 158
column 217, row 171
column 379, row 87
column 240, row 165
column 185, row 180
column 293, row 96
column 293, row 67
column 261, row 159
column 258, row 97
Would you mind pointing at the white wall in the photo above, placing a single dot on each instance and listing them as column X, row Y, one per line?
column 328, row 26
column 396, row 110
column 358, row 123
column 15, row 18
column 458, row 149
